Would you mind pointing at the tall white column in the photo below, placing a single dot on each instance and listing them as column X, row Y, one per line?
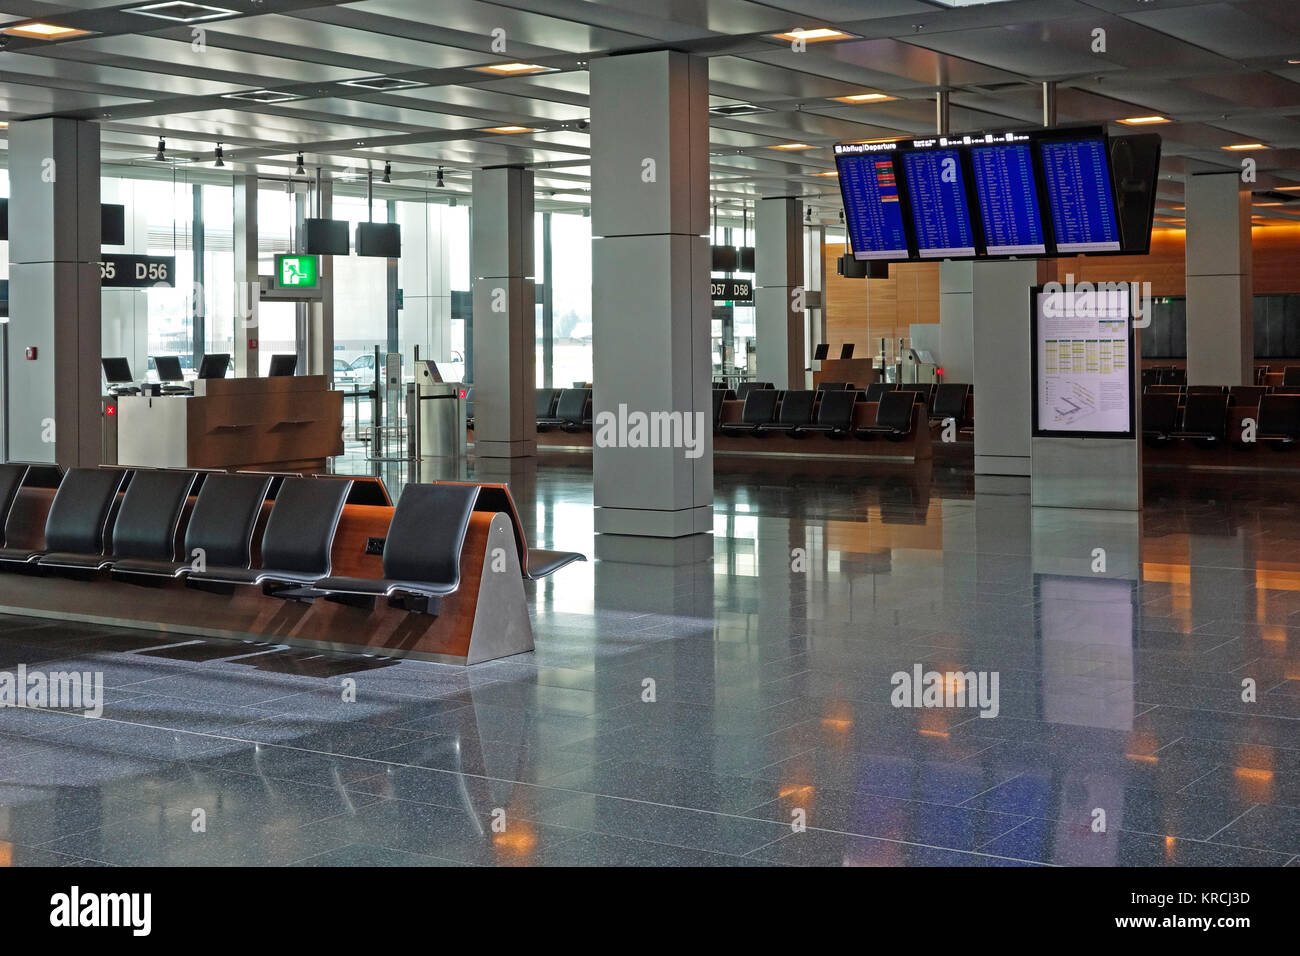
column 505, row 409
column 650, row 289
column 247, row 289
column 1220, row 314
column 52, row 397
column 778, row 284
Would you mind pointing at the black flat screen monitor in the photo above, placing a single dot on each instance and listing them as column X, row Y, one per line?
column 822, row 351
column 941, row 216
column 117, row 371
column 169, row 368
column 846, row 350
column 382, row 240
column 112, row 224
column 324, row 237
column 283, row 365
column 872, row 208
column 1007, row 188
column 1076, row 169
column 214, row 365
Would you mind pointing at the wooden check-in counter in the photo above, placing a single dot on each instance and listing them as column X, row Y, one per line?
column 290, row 422
column 861, row 372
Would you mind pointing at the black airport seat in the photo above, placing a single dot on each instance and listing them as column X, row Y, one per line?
column 834, row 386
column 297, row 541
column 1163, row 390
column 720, row 395
column 1291, row 376
column 1173, row 376
column 78, row 515
column 1261, row 374
column 421, row 552
column 744, row 388
column 1279, row 420
column 1207, row 390
column 834, row 415
column 1247, row 395
column 219, row 532
column 1150, row 376
column 11, row 479
column 878, row 390
column 145, row 525
column 950, row 402
column 923, row 389
column 546, row 399
column 796, row 410
column 570, row 412
column 760, row 408
column 893, row 416
column 1205, row 417
column 1159, row 415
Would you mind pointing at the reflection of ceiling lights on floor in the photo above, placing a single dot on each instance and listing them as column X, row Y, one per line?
column 179, row 11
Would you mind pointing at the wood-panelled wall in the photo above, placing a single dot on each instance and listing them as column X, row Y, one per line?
column 865, row 310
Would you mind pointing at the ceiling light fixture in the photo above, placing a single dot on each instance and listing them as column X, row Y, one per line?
column 828, row 172
column 1241, row 147
column 178, row 11
column 864, row 98
column 220, row 158
column 35, row 30
column 791, row 146
column 509, row 129
column 815, row 35
column 1144, row 120
column 161, row 155
column 1285, row 189
column 383, row 83
column 513, row 69
column 301, row 170
column 388, row 173
column 262, row 96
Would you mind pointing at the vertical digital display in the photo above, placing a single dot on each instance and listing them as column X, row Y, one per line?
column 936, row 189
column 1079, row 193
column 1083, row 366
column 871, row 206
column 1008, row 197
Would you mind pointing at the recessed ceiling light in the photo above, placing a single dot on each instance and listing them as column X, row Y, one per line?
column 828, row 172
column 513, row 69
column 1286, row 189
column 509, row 129
column 1294, row 61
column 262, row 96
column 864, row 98
column 1237, row 147
column 4, row 124
column 383, row 83
column 1144, row 120
column 45, row 31
column 739, row 109
column 815, row 35
column 1268, row 204
column 791, row 146
column 882, row 139
column 181, row 12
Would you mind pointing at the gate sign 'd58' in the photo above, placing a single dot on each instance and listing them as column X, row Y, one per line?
column 137, row 272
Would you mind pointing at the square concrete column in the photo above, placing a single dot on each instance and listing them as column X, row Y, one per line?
column 52, row 400
column 247, row 285
column 1220, row 313
column 505, row 336
column 984, row 307
column 650, row 294
column 778, row 290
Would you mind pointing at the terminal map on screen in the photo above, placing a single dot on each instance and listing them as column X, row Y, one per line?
column 1079, row 193
column 1008, row 198
column 871, row 206
column 1084, row 369
column 936, row 190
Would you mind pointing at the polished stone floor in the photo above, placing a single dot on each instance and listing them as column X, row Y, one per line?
column 698, row 712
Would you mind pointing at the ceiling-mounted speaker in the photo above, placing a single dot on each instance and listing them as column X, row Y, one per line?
column 380, row 240
column 324, row 237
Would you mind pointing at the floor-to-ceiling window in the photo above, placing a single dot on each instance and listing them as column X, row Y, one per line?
column 570, row 298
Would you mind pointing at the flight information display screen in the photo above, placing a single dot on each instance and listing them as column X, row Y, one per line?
column 1079, row 194
column 936, row 190
column 872, row 209
column 1008, row 198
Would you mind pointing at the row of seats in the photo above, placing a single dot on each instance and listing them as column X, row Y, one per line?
column 421, row 553
column 1203, row 417
column 830, row 413
column 568, row 409
column 1174, row 375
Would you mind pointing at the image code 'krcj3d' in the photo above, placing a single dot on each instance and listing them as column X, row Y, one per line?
column 484, row 433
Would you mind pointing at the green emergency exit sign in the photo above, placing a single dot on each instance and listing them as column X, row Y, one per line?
column 297, row 272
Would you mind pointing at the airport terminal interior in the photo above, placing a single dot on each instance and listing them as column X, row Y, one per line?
column 417, row 448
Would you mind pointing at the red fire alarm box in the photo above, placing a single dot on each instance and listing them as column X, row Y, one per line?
column 30, row 353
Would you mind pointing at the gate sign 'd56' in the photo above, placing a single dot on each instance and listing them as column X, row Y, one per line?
column 137, row 272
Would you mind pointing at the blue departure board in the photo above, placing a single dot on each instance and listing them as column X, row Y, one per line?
column 871, row 207
column 1079, row 194
column 1008, row 197
column 936, row 189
